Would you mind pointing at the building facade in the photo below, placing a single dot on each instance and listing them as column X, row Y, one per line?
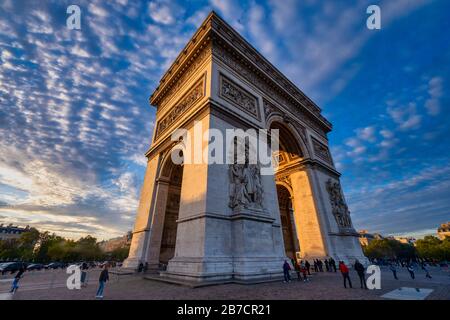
column 8, row 232
column 210, row 221
column 444, row 231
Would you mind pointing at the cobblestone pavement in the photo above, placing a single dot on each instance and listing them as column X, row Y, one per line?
column 50, row 284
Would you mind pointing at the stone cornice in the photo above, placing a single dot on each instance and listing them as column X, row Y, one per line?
column 215, row 28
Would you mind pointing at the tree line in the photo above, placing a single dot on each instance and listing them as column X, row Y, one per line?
column 429, row 248
column 43, row 247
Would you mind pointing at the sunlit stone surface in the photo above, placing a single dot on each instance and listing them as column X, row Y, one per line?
column 185, row 223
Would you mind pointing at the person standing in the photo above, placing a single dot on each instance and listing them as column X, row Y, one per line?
column 15, row 284
column 286, row 269
column 394, row 270
column 344, row 271
column 104, row 276
column 361, row 273
column 333, row 264
column 308, row 266
column 316, row 268
column 411, row 271
column 84, row 268
column 303, row 269
column 320, row 264
column 297, row 269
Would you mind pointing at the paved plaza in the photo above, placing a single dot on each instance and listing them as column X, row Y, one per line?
column 51, row 284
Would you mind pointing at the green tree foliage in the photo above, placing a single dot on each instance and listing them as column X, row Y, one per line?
column 389, row 249
column 432, row 247
column 43, row 247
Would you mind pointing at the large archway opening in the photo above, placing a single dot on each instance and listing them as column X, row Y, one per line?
column 287, row 222
column 169, row 234
column 286, row 160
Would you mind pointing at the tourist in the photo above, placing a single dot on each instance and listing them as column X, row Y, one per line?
column 308, row 267
column 15, row 284
column 320, row 265
column 286, row 269
column 140, row 267
column 410, row 269
column 427, row 273
column 84, row 267
column 344, row 271
column 327, row 266
column 316, row 267
column 303, row 269
column 104, row 276
column 394, row 270
column 361, row 273
column 297, row 269
column 333, row 264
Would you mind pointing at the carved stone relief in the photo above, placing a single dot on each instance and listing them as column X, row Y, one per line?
column 321, row 151
column 239, row 97
column 246, row 189
column 338, row 205
column 194, row 94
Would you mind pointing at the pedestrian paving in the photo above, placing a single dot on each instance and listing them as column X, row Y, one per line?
column 323, row 285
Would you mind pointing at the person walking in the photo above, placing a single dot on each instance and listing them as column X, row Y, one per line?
column 304, row 270
column 84, row 268
column 427, row 273
column 15, row 283
column 411, row 271
column 297, row 269
column 361, row 273
column 316, row 267
column 394, row 270
column 344, row 271
column 286, row 269
column 104, row 276
column 333, row 264
column 308, row 267
column 327, row 265
column 140, row 267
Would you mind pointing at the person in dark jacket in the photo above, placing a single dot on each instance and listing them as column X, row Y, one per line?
column 320, row 265
column 344, row 270
column 297, row 269
column 394, row 270
column 316, row 268
column 286, row 269
column 333, row 264
column 15, row 284
column 411, row 271
column 361, row 273
column 104, row 276
column 327, row 266
column 308, row 266
column 84, row 268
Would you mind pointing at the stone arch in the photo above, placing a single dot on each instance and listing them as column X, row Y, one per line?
column 291, row 131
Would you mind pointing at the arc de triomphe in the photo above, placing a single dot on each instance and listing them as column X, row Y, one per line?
column 186, row 220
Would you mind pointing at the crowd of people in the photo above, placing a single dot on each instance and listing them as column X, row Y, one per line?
column 303, row 269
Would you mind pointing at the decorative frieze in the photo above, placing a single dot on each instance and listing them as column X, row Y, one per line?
column 189, row 99
column 184, row 74
column 239, row 97
column 244, row 70
column 321, row 151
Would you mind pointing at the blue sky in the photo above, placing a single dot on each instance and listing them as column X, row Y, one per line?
column 75, row 120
